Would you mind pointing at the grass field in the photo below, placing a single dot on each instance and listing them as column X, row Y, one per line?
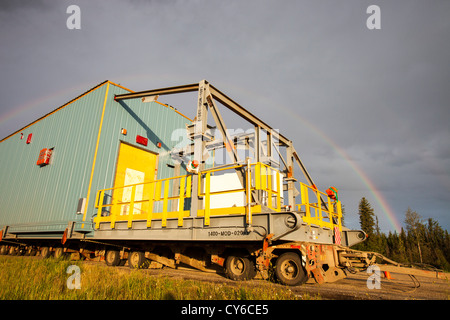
column 27, row 278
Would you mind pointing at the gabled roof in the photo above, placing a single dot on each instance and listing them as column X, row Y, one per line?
column 75, row 99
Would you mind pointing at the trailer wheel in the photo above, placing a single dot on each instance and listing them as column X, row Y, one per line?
column 137, row 260
column 289, row 270
column 31, row 251
column 4, row 250
column 13, row 251
column 28, row 251
column 59, row 253
column 112, row 258
column 45, row 252
column 239, row 268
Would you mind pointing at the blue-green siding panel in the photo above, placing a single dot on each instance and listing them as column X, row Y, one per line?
column 151, row 120
column 45, row 198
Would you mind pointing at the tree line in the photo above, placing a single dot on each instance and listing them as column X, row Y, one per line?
column 423, row 242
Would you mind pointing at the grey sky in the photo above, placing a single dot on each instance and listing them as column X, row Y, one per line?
column 350, row 98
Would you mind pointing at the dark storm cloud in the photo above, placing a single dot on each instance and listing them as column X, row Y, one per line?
column 311, row 69
column 14, row 5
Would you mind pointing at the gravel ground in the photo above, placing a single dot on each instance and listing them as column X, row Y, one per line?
column 354, row 287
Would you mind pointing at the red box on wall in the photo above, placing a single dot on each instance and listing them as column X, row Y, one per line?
column 44, row 157
column 29, row 138
column 141, row 140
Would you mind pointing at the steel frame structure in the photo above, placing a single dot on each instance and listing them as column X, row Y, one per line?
column 208, row 95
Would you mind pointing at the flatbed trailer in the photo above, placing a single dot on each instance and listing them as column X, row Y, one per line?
column 248, row 216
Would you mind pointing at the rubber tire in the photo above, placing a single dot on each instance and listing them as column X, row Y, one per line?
column 45, row 252
column 112, row 258
column 252, row 270
column 239, row 268
column 59, row 253
column 290, row 260
column 4, row 250
column 13, row 251
column 30, row 251
column 137, row 260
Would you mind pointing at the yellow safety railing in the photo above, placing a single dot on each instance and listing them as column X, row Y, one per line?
column 261, row 178
column 145, row 207
column 165, row 198
column 315, row 212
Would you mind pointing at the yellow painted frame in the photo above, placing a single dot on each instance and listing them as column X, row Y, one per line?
column 316, row 213
column 154, row 195
column 261, row 174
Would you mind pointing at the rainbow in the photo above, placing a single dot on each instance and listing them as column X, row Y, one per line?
column 69, row 92
column 41, row 101
column 389, row 213
column 382, row 202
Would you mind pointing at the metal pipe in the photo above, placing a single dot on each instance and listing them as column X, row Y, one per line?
column 162, row 91
column 249, row 190
column 216, row 94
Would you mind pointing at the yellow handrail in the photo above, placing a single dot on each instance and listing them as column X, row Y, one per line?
column 153, row 195
column 316, row 213
column 261, row 180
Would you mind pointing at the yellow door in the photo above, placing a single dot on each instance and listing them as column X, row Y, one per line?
column 134, row 166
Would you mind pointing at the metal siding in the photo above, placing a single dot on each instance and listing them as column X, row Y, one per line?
column 46, row 198
column 151, row 120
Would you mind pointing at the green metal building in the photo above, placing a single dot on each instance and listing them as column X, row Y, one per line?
column 51, row 169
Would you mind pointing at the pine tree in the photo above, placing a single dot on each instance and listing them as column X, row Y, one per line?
column 414, row 226
column 434, row 245
column 367, row 222
column 402, row 248
column 421, row 242
column 366, row 217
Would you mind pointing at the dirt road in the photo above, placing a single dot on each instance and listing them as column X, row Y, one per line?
column 354, row 287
